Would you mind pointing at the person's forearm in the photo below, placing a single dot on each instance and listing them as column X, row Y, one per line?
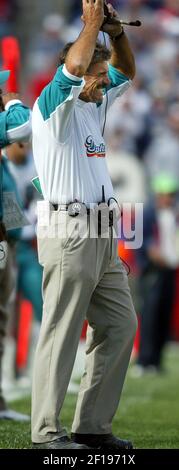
column 122, row 57
column 80, row 54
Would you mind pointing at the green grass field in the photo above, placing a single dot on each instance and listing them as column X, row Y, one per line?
column 148, row 413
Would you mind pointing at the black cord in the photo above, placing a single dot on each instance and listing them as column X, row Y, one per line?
column 127, row 265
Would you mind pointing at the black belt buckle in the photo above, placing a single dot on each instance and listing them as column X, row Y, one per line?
column 76, row 208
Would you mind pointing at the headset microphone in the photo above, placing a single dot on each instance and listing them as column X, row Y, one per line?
column 132, row 23
column 111, row 20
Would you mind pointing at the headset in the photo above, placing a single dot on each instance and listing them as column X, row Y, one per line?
column 110, row 20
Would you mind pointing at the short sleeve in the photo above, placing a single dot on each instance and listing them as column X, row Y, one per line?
column 57, row 100
column 15, row 123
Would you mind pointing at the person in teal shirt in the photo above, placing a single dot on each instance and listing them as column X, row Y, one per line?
column 15, row 125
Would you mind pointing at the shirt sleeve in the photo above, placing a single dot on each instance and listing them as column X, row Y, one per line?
column 57, row 102
column 15, row 123
column 119, row 84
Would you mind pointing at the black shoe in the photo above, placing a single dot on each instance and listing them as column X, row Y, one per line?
column 61, row 443
column 101, row 441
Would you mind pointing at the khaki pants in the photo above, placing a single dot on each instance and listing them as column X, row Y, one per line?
column 83, row 277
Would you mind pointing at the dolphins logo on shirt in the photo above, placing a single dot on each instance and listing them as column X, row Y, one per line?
column 93, row 150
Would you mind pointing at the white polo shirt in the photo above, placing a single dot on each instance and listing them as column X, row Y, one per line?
column 68, row 146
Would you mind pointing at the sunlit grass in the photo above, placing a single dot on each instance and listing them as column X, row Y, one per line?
column 148, row 412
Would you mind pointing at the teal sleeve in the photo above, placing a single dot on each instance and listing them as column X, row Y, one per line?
column 12, row 120
column 17, row 115
column 56, row 93
column 117, row 78
column 3, row 125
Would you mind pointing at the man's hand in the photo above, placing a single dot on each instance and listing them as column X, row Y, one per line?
column 113, row 26
column 9, row 96
column 93, row 12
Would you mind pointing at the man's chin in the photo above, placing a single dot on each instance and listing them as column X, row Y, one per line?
column 98, row 98
column 93, row 98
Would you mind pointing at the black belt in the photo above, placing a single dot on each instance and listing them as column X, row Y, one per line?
column 78, row 208
column 73, row 208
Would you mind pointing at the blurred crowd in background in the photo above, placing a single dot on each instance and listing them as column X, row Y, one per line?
column 142, row 136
